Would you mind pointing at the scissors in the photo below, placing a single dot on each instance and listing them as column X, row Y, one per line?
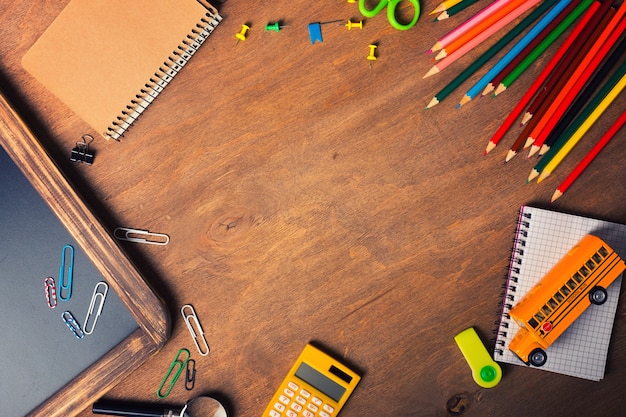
column 391, row 12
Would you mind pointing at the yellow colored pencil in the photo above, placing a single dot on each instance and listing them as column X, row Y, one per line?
column 445, row 5
column 584, row 127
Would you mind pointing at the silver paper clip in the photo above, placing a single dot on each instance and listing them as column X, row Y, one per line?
column 51, row 291
column 99, row 296
column 173, row 373
column 65, row 280
column 141, row 236
column 191, row 320
column 71, row 322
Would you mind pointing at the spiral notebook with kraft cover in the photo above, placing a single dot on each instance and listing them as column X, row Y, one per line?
column 542, row 238
column 107, row 60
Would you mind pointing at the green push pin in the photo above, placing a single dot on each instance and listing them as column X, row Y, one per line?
column 276, row 27
column 485, row 371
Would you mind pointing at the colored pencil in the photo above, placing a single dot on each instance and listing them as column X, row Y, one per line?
column 578, row 122
column 490, row 53
column 584, row 163
column 478, row 28
column 526, row 39
column 536, row 85
column 467, row 25
column 576, row 82
column 597, row 80
column 580, row 132
column 445, row 5
column 455, row 9
column 573, row 57
column 547, row 36
column 439, row 66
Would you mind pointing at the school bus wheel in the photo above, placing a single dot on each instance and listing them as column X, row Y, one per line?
column 537, row 357
column 598, row 296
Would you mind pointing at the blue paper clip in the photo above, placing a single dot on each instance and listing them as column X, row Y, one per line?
column 181, row 364
column 73, row 325
column 65, row 281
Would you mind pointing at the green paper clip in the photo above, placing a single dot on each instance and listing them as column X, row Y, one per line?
column 485, row 371
column 181, row 363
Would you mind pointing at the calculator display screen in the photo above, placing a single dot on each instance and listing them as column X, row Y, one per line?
column 320, row 382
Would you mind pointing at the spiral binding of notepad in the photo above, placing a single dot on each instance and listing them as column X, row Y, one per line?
column 164, row 75
column 510, row 285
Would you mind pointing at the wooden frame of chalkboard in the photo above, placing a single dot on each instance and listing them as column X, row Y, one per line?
column 144, row 305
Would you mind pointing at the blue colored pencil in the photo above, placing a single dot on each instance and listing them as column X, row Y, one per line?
column 506, row 59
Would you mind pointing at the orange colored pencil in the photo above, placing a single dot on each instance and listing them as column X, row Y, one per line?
column 584, row 69
column 584, row 163
column 478, row 28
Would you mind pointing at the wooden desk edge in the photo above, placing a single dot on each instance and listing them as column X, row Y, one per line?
column 147, row 309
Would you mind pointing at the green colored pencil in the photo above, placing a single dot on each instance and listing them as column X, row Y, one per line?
column 543, row 45
column 491, row 52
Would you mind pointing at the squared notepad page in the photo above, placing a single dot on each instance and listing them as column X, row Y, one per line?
column 543, row 237
column 108, row 59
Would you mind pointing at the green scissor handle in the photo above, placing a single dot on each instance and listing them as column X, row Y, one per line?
column 391, row 12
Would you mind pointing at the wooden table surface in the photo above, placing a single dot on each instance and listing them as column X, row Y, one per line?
column 309, row 197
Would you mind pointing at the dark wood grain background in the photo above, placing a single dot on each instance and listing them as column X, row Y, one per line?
column 310, row 197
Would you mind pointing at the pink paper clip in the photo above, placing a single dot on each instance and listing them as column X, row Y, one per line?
column 51, row 291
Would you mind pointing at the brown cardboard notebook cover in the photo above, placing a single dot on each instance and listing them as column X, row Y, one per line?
column 108, row 59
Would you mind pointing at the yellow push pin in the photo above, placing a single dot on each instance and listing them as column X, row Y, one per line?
column 372, row 56
column 351, row 1
column 352, row 24
column 485, row 371
column 241, row 36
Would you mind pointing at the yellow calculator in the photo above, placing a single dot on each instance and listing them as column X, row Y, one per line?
column 316, row 386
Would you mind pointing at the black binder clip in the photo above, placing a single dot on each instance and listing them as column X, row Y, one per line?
column 81, row 152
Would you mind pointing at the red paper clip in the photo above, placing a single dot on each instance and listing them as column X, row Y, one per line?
column 51, row 291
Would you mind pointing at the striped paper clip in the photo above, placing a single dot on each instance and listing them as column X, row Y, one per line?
column 73, row 325
column 99, row 296
column 141, row 236
column 51, row 291
column 195, row 329
column 66, row 274
column 176, row 368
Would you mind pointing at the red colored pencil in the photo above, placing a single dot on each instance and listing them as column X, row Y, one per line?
column 582, row 24
column 584, row 163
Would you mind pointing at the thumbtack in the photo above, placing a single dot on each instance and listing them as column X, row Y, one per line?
column 352, row 24
column 276, row 27
column 351, row 1
column 241, row 36
column 372, row 56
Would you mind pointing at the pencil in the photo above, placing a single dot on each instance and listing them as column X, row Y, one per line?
column 455, row 9
column 445, row 5
column 526, row 39
column 490, row 53
column 576, row 82
column 536, row 85
column 547, row 36
column 468, row 24
column 580, row 119
column 584, row 163
column 572, row 58
column 444, row 63
column 478, row 28
column 580, row 132
column 608, row 66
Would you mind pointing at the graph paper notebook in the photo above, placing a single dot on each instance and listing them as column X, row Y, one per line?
column 107, row 60
column 542, row 238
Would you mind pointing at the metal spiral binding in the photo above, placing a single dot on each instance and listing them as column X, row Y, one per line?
column 509, row 287
column 164, row 74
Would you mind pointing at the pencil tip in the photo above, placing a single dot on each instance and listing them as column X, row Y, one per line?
column 510, row 155
column 556, row 195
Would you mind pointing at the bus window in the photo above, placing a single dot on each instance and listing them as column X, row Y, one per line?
column 584, row 271
column 571, row 284
column 565, row 290
column 539, row 317
column 577, row 277
column 603, row 252
column 590, row 264
column 597, row 258
column 546, row 310
column 553, row 304
column 533, row 323
column 559, row 297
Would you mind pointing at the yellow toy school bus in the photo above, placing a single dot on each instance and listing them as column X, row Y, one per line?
column 578, row 280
